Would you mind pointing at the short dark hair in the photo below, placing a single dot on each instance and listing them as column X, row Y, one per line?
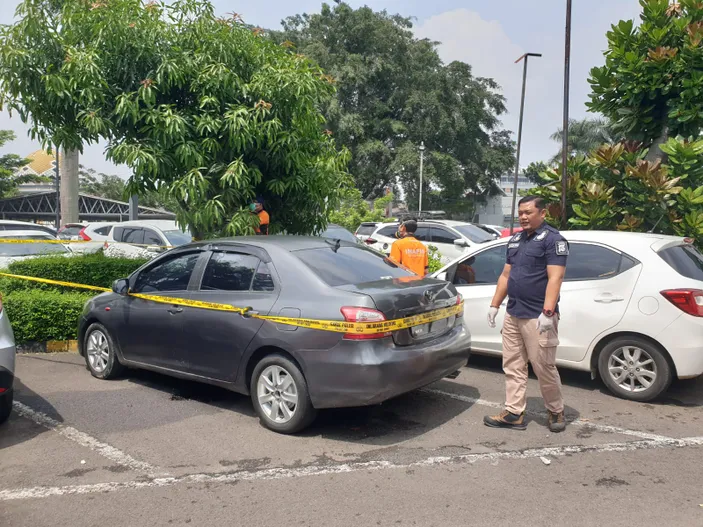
column 539, row 202
column 410, row 226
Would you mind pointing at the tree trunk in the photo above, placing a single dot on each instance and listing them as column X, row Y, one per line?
column 69, row 186
column 655, row 152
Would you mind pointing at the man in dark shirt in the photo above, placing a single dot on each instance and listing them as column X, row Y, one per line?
column 531, row 279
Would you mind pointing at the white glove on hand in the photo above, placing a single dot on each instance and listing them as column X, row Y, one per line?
column 492, row 313
column 545, row 323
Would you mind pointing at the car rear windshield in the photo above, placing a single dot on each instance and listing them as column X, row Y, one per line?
column 339, row 233
column 366, row 229
column 350, row 265
column 474, row 233
column 176, row 238
column 685, row 260
column 30, row 249
column 71, row 231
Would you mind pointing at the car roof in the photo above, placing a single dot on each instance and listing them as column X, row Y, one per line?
column 161, row 224
column 18, row 232
column 17, row 222
column 286, row 242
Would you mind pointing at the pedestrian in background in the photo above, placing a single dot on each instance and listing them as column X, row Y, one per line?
column 258, row 208
column 531, row 279
column 408, row 251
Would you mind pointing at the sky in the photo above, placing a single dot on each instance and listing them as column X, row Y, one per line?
column 487, row 34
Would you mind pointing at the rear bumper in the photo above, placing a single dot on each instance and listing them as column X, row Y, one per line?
column 7, row 380
column 357, row 373
column 683, row 339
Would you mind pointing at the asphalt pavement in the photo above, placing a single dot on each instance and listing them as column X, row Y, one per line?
column 150, row 450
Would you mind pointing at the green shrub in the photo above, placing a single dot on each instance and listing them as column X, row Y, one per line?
column 44, row 315
column 91, row 269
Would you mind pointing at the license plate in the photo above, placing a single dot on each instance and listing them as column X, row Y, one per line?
column 420, row 331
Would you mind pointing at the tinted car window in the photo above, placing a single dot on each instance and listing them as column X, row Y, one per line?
column 591, row 262
column 177, row 238
column 103, row 231
column 482, row 268
column 366, row 230
column 388, row 231
column 263, row 280
column 167, row 275
column 151, row 238
column 350, row 265
column 336, row 232
column 423, row 233
column 474, row 233
column 229, row 272
column 442, row 235
column 68, row 232
column 685, row 260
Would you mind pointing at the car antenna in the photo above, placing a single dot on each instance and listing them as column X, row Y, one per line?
column 337, row 243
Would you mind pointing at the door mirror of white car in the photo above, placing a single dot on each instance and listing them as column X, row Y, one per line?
column 461, row 242
column 154, row 249
column 121, row 286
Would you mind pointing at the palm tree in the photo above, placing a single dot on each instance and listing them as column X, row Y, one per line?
column 585, row 136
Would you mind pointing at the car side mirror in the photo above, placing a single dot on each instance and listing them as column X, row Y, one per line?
column 121, row 286
column 461, row 242
column 154, row 249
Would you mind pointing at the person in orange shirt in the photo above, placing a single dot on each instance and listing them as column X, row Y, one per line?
column 258, row 208
column 408, row 251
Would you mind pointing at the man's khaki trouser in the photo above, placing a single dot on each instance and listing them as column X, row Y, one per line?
column 522, row 342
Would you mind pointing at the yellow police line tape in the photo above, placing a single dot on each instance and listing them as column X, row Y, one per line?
column 66, row 242
column 337, row 326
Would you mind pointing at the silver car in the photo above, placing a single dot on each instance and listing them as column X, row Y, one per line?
column 7, row 365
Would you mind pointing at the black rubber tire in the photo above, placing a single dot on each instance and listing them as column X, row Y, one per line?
column 6, row 405
column 664, row 371
column 113, row 369
column 305, row 413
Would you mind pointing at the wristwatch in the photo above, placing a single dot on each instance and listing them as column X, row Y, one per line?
column 548, row 313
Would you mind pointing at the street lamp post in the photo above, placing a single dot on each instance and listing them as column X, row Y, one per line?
column 565, row 128
column 519, row 134
column 422, row 160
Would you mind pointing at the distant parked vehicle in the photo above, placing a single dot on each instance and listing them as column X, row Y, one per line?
column 146, row 237
column 91, row 235
column 12, row 225
column 12, row 252
column 7, row 365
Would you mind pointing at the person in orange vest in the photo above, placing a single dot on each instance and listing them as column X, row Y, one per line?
column 258, row 208
column 408, row 251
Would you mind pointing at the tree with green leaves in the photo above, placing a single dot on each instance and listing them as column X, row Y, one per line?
column 9, row 164
column 393, row 91
column 651, row 86
column 204, row 107
column 585, row 136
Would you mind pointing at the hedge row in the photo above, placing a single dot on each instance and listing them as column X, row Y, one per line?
column 41, row 312
column 39, row 316
column 91, row 269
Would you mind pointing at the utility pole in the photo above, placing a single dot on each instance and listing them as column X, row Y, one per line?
column 519, row 135
column 422, row 160
column 565, row 137
column 57, row 186
column 69, row 186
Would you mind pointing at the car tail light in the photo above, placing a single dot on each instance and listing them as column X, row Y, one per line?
column 83, row 235
column 687, row 300
column 370, row 241
column 363, row 314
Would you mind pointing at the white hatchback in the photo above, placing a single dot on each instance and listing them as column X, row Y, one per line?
column 631, row 307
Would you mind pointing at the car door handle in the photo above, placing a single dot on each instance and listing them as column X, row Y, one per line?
column 607, row 298
column 175, row 310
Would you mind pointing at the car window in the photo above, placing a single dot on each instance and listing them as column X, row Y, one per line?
column 229, row 272
column 177, row 237
column 152, row 238
column 263, row 279
column 132, row 235
column 388, row 231
column 592, row 262
column 103, row 231
column 172, row 274
column 339, row 233
column 422, row 233
column 442, row 235
column 350, row 265
column 70, row 231
column 685, row 260
column 474, row 233
column 482, row 268
column 366, row 230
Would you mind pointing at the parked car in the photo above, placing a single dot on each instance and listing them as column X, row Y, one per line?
column 12, row 252
column 11, row 225
column 93, row 235
column 146, row 237
column 631, row 307
column 290, row 372
column 494, row 230
column 366, row 229
column 452, row 238
column 7, row 365
column 505, row 233
column 337, row 232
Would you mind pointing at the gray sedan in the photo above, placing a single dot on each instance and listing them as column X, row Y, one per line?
column 289, row 371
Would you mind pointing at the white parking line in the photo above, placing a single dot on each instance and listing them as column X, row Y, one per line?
column 84, row 439
column 343, row 468
column 578, row 422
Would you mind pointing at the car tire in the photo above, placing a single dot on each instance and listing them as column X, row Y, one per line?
column 634, row 368
column 5, row 406
column 100, row 353
column 271, row 399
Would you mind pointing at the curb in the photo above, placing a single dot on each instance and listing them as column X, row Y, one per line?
column 51, row 346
